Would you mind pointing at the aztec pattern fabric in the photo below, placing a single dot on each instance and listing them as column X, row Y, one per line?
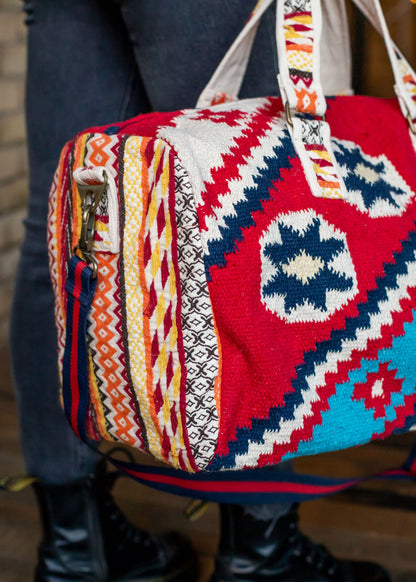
column 239, row 320
column 302, row 24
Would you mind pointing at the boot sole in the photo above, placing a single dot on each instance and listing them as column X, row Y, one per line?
column 188, row 573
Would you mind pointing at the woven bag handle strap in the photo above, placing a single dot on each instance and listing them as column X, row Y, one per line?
column 226, row 81
column 404, row 75
column 298, row 32
column 298, row 36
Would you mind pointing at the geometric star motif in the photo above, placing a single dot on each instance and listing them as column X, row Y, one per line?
column 307, row 270
column 377, row 390
column 304, row 267
column 373, row 183
column 367, row 174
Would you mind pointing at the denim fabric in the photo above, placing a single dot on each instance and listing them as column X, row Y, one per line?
column 89, row 63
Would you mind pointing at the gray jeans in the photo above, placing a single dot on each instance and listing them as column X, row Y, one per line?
column 90, row 63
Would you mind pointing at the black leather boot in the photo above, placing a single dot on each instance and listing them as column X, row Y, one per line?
column 256, row 550
column 88, row 539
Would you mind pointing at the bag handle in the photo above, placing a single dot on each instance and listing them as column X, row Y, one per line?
column 299, row 74
column 298, row 28
column 404, row 75
column 227, row 79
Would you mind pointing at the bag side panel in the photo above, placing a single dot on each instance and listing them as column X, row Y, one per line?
column 58, row 236
column 202, row 350
column 152, row 326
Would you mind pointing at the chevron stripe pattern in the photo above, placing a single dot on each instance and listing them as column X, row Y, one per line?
column 57, row 251
column 108, row 367
column 114, row 406
column 135, row 189
column 114, row 411
column 163, row 308
column 299, row 40
column 102, row 150
column 312, row 142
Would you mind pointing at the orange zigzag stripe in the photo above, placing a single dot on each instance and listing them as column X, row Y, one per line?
column 107, row 354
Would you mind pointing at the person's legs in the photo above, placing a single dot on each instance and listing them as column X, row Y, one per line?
column 178, row 45
column 81, row 72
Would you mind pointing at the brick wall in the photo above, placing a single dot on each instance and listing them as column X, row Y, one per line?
column 13, row 161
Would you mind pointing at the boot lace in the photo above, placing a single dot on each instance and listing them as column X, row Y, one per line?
column 315, row 555
column 105, row 482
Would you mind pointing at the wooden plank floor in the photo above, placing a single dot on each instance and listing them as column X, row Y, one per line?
column 377, row 523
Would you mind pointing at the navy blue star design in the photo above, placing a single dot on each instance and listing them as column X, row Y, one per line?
column 370, row 191
column 295, row 290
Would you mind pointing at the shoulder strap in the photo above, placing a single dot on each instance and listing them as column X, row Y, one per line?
column 404, row 75
column 226, row 81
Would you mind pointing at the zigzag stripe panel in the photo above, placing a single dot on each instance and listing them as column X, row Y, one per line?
column 134, row 194
column 113, row 410
column 163, row 307
column 56, row 250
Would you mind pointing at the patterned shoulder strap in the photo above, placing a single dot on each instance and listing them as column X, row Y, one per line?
column 299, row 24
column 226, row 82
column 404, row 75
column 299, row 27
column 298, row 33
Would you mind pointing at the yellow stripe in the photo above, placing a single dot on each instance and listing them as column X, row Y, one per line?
column 168, row 232
column 98, row 405
column 176, row 382
column 165, row 176
column 331, row 193
column 303, row 19
column 173, row 334
column 135, row 214
column 155, row 260
column 172, row 281
column 319, row 170
column 152, row 210
column 162, row 360
column 166, row 408
column 174, row 455
column 156, row 158
column 77, row 214
column 323, row 155
column 160, row 310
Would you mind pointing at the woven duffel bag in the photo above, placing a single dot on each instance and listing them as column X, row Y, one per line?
column 236, row 283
